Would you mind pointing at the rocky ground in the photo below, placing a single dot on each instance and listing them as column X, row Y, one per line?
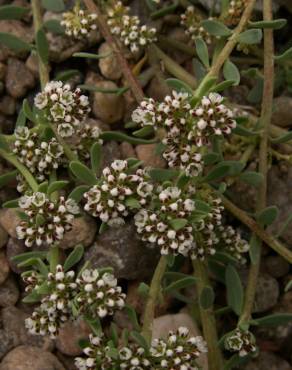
column 120, row 248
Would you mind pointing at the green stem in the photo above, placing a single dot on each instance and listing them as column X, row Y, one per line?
column 37, row 21
column 153, row 295
column 265, row 120
column 21, row 168
column 226, row 51
column 54, row 257
column 215, row 359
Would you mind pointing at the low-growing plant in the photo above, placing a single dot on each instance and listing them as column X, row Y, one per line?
column 179, row 210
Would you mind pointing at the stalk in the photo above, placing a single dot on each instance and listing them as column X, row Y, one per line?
column 54, row 257
column 153, row 294
column 215, row 359
column 265, row 120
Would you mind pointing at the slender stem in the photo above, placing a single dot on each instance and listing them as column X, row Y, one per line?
column 215, row 359
column 226, row 51
column 37, row 21
column 265, row 120
column 104, row 29
column 155, row 287
column 21, row 168
column 54, row 258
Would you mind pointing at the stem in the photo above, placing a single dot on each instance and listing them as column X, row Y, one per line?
column 104, row 29
column 21, row 168
column 68, row 152
column 37, row 21
column 54, row 258
column 265, row 120
column 227, row 50
column 215, row 359
column 152, row 298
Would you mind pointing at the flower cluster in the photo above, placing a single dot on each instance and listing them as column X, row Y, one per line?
column 78, row 23
column 241, row 341
column 99, row 293
column 55, row 307
column 45, row 221
column 94, row 293
column 174, row 115
column 191, row 20
column 234, row 12
column 41, row 158
column 177, row 352
column 109, row 199
column 167, row 225
column 96, row 353
column 62, row 106
column 128, row 28
column 233, row 242
column 86, row 136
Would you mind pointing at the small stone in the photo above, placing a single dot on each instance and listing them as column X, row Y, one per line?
column 3, row 237
column 109, row 65
column 147, row 154
column 267, row 360
column 69, row 336
column 107, row 107
column 2, row 71
column 13, row 248
column 32, row 65
column 19, row 79
column 4, row 268
column 163, row 324
column 7, row 105
column 127, row 150
column 9, row 221
column 6, row 342
column 267, row 293
column 9, row 292
column 83, row 232
column 121, row 249
column 282, row 112
column 110, row 152
column 30, row 358
column 277, row 266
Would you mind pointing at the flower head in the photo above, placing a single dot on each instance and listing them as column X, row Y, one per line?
column 191, row 20
column 78, row 23
column 241, row 341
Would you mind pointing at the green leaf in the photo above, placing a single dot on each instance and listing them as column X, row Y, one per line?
column 121, row 137
column 234, row 290
column 66, row 75
column 12, row 12
column 273, row 320
column 42, row 46
column 11, row 204
column 178, row 223
column 33, row 297
column 211, row 158
column 275, row 24
column 202, row 52
column 56, row 186
column 133, row 203
column 94, row 324
column 7, row 177
column 161, row 175
column 43, row 187
column 54, row 26
column 143, row 289
column 144, row 131
column 217, row 172
column 14, row 43
column 242, row 131
column 132, row 316
column 180, row 284
column 268, row 215
column 83, row 173
column 250, row 37
column 256, row 93
column 114, row 334
column 223, row 85
column 254, row 249
column 251, row 178
column 92, row 56
column 216, row 28
column 199, row 69
column 134, row 163
column 74, row 257
column 138, row 338
column 40, row 220
column 231, row 72
column 28, row 112
column 283, row 138
column 56, row 6
column 28, row 255
column 287, row 55
column 95, row 157
column 207, row 297
column 21, row 119
column 165, row 10
column 179, row 85
column 118, row 90
column 78, row 192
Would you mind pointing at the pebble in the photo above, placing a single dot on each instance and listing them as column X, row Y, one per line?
column 7, row 105
column 267, row 293
column 109, row 66
column 276, row 266
column 9, row 220
column 30, row 358
column 267, row 360
column 19, row 78
column 121, row 249
column 13, row 248
column 3, row 237
column 147, row 154
column 4, row 267
column 282, row 112
column 9, row 292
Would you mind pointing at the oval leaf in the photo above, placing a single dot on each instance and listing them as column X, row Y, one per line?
column 216, row 28
column 202, row 52
column 13, row 42
column 56, row 186
column 179, row 85
column 74, row 257
column 287, row 55
column 180, row 284
column 268, row 215
column 56, row 6
column 275, row 24
column 231, row 72
column 273, row 320
column 207, row 297
column 250, row 37
column 234, row 290
column 83, row 173
column 12, row 12
column 42, row 46
column 95, row 157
